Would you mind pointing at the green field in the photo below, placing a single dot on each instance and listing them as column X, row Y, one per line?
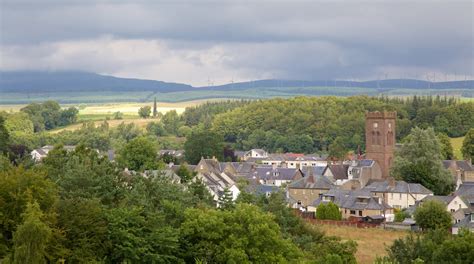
column 197, row 94
column 457, row 144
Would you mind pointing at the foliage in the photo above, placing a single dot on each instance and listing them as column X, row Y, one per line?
column 155, row 109
column 4, row 136
column 171, row 122
column 144, row 111
column 117, row 115
column 226, row 200
column 401, row 215
column 18, row 187
column 184, row 173
column 31, row 237
column 328, row 211
column 156, row 128
column 204, row 113
column 203, row 143
column 436, row 246
column 468, row 145
column 19, row 123
column 433, row 215
column 419, row 160
column 447, row 152
column 48, row 115
column 243, row 235
column 270, row 123
column 139, row 154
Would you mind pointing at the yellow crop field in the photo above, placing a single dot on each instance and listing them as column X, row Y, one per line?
column 371, row 242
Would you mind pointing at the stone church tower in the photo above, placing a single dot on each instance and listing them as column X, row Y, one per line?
column 380, row 139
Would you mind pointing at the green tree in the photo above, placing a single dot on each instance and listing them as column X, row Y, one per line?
column 139, row 154
column 203, row 143
column 420, row 161
column 144, row 111
column 4, row 136
column 156, row 129
column 117, row 115
column 446, row 147
column 433, row 215
column 329, row 211
column 468, row 145
column 184, row 173
column 19, row 123
column 401, row 215
column 171, row 122
column 243, row 235
column 226, row 201
column 155, row 109
column 31, row 237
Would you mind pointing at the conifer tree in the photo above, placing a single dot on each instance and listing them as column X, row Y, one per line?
column 225, row 200
column 155, row 110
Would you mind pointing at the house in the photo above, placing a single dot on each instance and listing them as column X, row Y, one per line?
column 166, row 173
column 354, row 203
column 255, row 154
column 275, row 176
column 307, row 189
column 466, row 223
column 178, row 154
column 453, row 202
column 461, row 170
column 294, row 160
column 211, row 173
column 399, row 194
column 38, row 154
column 338, row 173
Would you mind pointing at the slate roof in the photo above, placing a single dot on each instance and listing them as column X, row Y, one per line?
column 466, row 223
column 352, row 200
column 398, row 187
column 270, row 173
column 339, row 171
column 465, row 189
column 316, row 170
column 441, row 198
column 461, row 164
column 172, row 152
column 312, row 182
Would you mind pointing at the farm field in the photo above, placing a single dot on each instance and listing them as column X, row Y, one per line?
column 457, row 145
column 371, row 242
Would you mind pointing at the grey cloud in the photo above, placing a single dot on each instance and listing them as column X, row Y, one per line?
column 287, row 39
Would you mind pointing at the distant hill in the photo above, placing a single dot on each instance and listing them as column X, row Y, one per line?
column 71, row 81
column 20, row 87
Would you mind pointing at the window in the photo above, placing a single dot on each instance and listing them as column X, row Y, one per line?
column 400, row 196
column 360, row 213
column 304, row 191
column 353, row 212
column 391, row 196
column 452, row 210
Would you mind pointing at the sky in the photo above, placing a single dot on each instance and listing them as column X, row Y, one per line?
column 216, row 42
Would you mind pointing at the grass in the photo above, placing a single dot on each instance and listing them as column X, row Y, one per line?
column 197, row 94
column 457, row 144
column 371, row 242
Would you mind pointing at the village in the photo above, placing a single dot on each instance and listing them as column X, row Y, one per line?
column 360, row 185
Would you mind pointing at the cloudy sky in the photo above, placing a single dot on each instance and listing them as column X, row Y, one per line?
column 197, row 42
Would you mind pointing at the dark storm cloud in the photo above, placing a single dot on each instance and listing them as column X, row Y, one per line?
column 287, row 39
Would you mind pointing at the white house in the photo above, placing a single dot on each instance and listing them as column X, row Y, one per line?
column 399, row 194
column 38, row 154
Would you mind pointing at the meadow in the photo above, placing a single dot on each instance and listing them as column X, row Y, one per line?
column 371, row 242
column 457, row 145
column 203, row 94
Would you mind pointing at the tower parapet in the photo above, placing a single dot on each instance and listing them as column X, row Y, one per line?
column 383, row 115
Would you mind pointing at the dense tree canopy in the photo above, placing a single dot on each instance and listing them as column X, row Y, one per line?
column 433, row 215
column 144, row 111
column 203, row 143
column 270, row 124
column 139, row 154
column 420, row 161
column 48, row 115
column 468, row 145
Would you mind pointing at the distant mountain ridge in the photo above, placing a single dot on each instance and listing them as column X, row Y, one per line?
column 73, row 81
